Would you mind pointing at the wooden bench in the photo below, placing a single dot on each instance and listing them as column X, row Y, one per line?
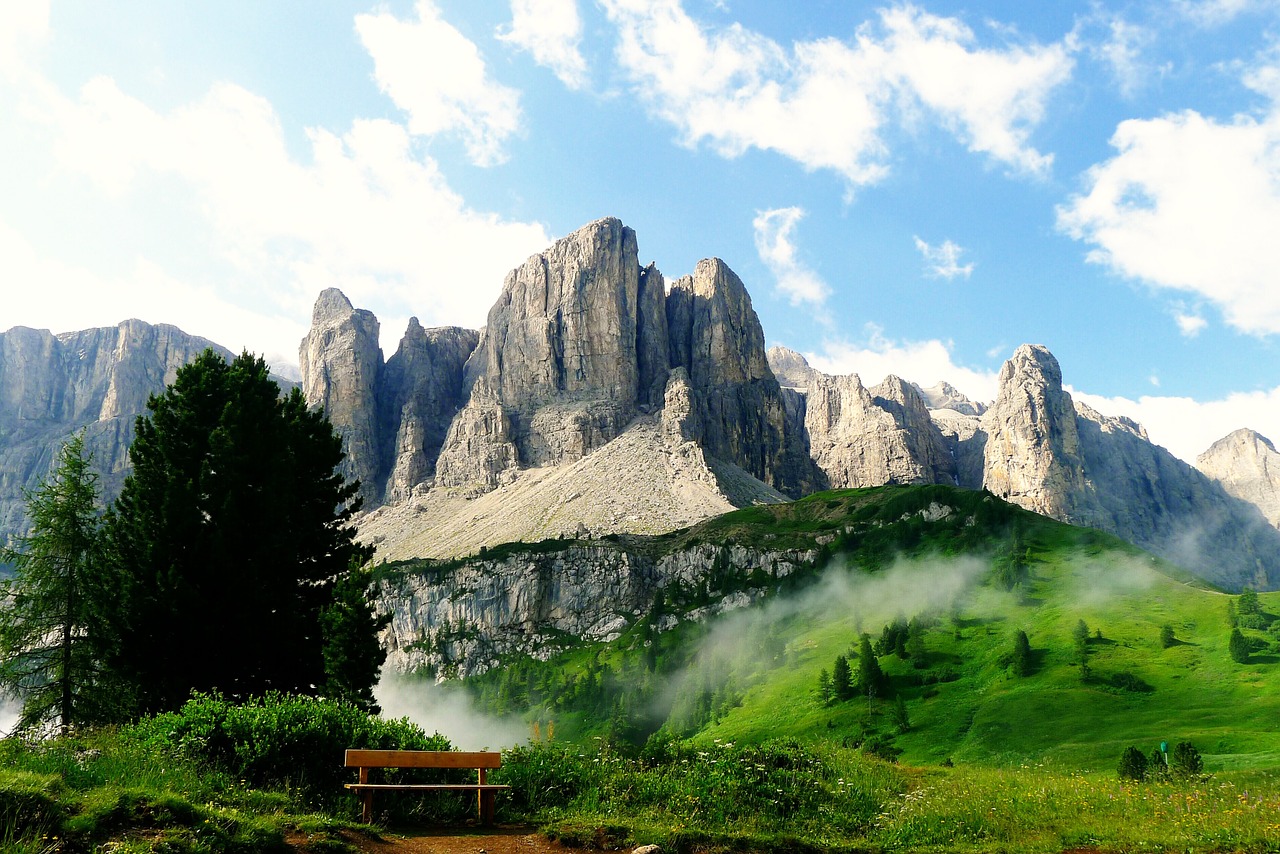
column 482, row 761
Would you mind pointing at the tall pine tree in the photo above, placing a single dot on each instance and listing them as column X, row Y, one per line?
column 230, row 541
column 50, row 631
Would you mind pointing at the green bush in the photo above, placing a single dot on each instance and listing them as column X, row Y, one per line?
column 1185, row 760
column 1133, row 765
column 291, row 742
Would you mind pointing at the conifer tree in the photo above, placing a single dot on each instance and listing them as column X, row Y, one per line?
column 841, row 679
column 1022, row 662
column 229, row 539
column 50, row 631
column 870, row 676
column 1238, row 646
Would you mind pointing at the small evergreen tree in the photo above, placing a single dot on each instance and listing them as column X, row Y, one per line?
column 51, row 632
column 352, row 654
column 1133, row 765
column 841, row 679
column 825, row 689
column 915, row 647
column 1186, row 761
column 870, row 676
column 1158, row 766
column 1080, row 639
column 1238, row 646
column 898, row 713
column 1021, row 658
column 1166, row 636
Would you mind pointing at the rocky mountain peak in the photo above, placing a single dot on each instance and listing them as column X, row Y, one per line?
column 1247, row 466
column 791, row 369
column 341, row 365
column 1032, row 454
column 944, row 395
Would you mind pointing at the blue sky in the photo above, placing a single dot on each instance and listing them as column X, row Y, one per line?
column 907, row 188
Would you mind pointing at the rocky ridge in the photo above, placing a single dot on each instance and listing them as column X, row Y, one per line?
column 95, row 380
column 1038, row 448
column 1247, row 466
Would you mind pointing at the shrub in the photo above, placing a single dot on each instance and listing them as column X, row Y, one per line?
column 282, row 740
column 1185, row 760
column 1133, row 765
column 1238, row 646
column 1166, row 636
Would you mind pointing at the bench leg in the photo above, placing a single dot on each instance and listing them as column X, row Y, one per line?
column 366, row 814
column 486, row 807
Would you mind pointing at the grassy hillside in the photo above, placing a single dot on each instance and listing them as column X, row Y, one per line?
column 969, row 571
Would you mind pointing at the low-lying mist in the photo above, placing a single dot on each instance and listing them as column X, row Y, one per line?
column 448, row 710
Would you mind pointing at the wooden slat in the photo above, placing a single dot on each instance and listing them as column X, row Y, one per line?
column 458, row 787
column 422, row 759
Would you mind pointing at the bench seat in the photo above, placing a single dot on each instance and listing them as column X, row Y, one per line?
column 480, row 761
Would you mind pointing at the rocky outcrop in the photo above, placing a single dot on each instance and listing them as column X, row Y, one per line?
column 716, row 337
column 944, row 395
column 1247, row 466
column 1049, row 454
column 862, row 437
column 422, row 391
column 1032, row 453
column 464, row 620
column 341, row 373
column 96, row 380
column 574, row 347
column 966, row 444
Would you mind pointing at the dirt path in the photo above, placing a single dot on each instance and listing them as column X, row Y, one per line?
column 502, row 840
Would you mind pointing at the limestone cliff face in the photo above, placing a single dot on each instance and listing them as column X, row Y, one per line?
column 1066, row 460
column 1032, row 454
column 463, row 621
column 341, row 373
column 98, row 380
column 574, row 346
column 1247, row 466
column 716, row 337
column 863, row 437
column 422, row 391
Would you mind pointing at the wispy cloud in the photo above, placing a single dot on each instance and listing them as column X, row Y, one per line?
column 943, row 261
column 551, row 31
column 1190, row 325
column 827, row 103
column 773, row 243
column 438, row 76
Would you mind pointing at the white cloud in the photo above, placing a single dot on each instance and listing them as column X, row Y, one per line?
column 360, row 211
column 1190, row 325
column 1191, row 204
column 826, row 103
column 773, row 243
column 1187, row 427
column 23, row 26
column 1211, row 13
column 1122, row 51
column 551, row 31
column 943, row 261
column 437, row 76
column 923, row 362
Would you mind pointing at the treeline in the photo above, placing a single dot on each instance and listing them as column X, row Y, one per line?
column 227, row 564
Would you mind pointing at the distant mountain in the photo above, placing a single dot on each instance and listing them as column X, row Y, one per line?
column 96, row 380
column 598, row 400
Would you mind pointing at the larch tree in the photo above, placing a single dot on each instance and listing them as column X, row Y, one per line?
column 231, row 544
column 50, row 631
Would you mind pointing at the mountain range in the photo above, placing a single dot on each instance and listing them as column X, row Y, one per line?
column 599, row 398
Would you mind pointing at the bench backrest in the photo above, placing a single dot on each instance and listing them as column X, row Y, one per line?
column 423, row 759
